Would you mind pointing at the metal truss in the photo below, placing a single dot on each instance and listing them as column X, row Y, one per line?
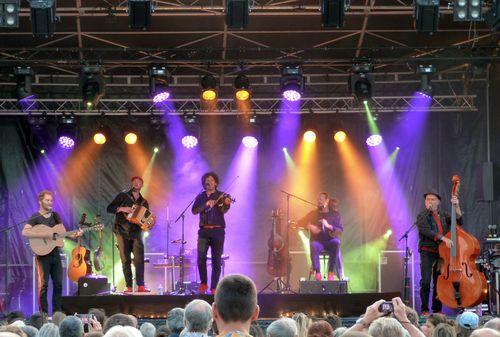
column 265, row 106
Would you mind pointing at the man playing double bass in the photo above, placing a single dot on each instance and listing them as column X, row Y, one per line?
column 433, row 224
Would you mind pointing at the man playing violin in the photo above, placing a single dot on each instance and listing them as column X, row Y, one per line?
column 325, row 227
column 211, row 205
column 433, row 224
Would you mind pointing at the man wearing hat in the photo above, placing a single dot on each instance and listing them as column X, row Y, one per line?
column 129, row 235
column 433, row 224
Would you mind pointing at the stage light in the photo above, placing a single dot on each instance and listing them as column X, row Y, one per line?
column 467, row 10
column 242, row 88
column 374, row 140
column 9, row 13
column 360, row 82
column 91, row 85
column 425, row 80
column 332, row 13
column 24, row 76
column 285, row 149
column 237, row 13
column 250, row 142
column 340, row 136
column 388, row 234
column 292, row 82
column 158, row 84
column 139, row 13
column 208, row 88
column 398, row 148
column 426, row 16
column 309, row 136
column 66, row 132
column 189, row 141
column 43, row 17
column 99, row 138
column 130, row 138
column 156, row 149
column 42, row 151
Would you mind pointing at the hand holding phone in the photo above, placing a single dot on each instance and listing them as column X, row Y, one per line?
column 387, row 307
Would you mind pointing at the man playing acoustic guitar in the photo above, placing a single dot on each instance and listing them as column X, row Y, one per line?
column 49, row 265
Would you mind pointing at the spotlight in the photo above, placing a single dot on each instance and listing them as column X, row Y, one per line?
column 292, row 82
column 340, row 136
column 285, row 149
column 91, row 85
column 24, row 76
column 425, row 80
column 309, row 136
column 139, row 13
column 250, row 142
column 237, row 13
column 99, row 138
column 43, row 17
column 467, row 10
column 9, row 13
column 360, row 82
column 42, row 151
column 130, row 138
column 66, row 133
column 374, row 140
column 251, row 134
column 332, row 13
column 426, row 16
column 156, row 149
column 387, row 234
column 242, row 88
column 208, row 88
column 158, row 85
column 189, row 141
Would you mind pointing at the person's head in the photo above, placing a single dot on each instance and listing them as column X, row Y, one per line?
column 117, row 319
column 468, row 320
column 334, row 320
column 11, row 331
column 14, row 316
column 485, row 332
column 432, row 321
column 386, row 327
column 57, row 317
column 283, row 327
column 235, row 301
column 99, row 314
column 256, row 330
column 432, row 200
column 210, row 181
column 303, row 322
column 37, row 320
column 49, row 330
column 163, row 331
column 175, row 320
column 137, row 183
column 198, row 316
column 45, row 200
column 71, row 326
column 30, row 331
column 412, row 316
column 320, row 329
column 94, row 334
column 134, row 320
column 323, row 200
column 147, row 330
column 444, row 330
column 122, row 331
column 355, row 334
column 339, row 331
column 493, row 324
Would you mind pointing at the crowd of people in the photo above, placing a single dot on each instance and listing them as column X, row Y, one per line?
column 235, row 313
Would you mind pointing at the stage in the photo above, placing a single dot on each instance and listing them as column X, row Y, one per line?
column 271, row 305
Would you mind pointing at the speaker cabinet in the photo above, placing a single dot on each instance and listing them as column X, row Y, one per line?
column 391, row 273
column 93, row 285
column 323, row 287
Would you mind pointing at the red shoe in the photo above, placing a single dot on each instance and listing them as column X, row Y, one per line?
column 331, row 277
column 318, row 277
column 143, row 289
column 128, row 290
column 212, row 291
column 202, row 288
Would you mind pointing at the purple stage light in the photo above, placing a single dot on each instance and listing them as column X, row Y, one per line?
column 189, row 141
column 426, row 95
column 374, row 140
column 291, row 95
column 161, row 97
column 250, row 142
column 66, row 142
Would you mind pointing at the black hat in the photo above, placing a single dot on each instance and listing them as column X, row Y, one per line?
column 433, row 192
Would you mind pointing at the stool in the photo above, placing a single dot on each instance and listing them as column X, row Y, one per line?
column 324, row 258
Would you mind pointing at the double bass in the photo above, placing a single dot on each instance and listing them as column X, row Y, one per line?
column 276, row 260
column 460, row 284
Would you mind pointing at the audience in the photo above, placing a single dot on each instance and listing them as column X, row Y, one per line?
column 175, row 321
column 71, row 326
column 162, row 331
column 197, row 318
column 255, row 330
column 37, row 320
column 283, row 327
column 431, row 322
column 147, row 330
column 320, row 329
column 14, row 316
column 49, row 330
column 339, row 331
column 303, row 322
column 466, row 323
column 11, row 331
column 444, row 330
column 386, row 327
column 334, row 320
column 122, row 331
column 117, row 319
column 493, row 324
column 485, row 332
column 57, row 317
column 99, row 314
column 30, row 331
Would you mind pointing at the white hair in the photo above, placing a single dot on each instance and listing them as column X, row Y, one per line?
column 123, row 331
column 386, row 327
column 198, row 316
column 147, row 330
column 49, row 330
column 283, row 327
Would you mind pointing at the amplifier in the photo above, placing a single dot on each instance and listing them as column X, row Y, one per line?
column 93, row 285
column 323, row 287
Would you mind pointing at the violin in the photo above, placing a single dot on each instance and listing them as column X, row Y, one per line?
column 224, row 200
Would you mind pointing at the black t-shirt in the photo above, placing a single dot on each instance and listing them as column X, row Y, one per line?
column 51, row 221
column 314, row 218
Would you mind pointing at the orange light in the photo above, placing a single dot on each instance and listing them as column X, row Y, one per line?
column 310, row 136
column 242, row 95
column 340, row 136
column 99, row 138
column 209, row 95
column 131, row 138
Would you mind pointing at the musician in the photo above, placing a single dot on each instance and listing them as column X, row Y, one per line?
column 433, row 224
column 325, row 227
column 211, row 205
column 129, row 235
column 48, row 266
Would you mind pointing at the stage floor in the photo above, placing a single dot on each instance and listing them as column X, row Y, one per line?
column 271, row 305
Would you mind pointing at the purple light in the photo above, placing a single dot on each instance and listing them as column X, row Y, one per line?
column 374, row 140
column 421, row 93
column 161, row 97
column 291, row 95
column 250, row 142
column 189, row 141
column 66, row 142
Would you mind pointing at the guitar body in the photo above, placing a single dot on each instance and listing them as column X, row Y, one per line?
column 44, row 245
column 80, row 263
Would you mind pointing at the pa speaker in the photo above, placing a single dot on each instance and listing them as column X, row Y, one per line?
column 488, row 187
column 237, row 13
column 323, row 287
column 332, row 13
column 93, row 285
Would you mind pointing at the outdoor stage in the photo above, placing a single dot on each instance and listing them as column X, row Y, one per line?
column 271, row 305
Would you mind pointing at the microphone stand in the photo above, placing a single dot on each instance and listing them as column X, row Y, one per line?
column 408, row 253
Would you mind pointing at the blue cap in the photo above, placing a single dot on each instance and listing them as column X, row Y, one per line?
column 468, row 320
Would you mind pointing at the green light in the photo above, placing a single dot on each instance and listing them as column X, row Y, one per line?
column 388, row 234
column 394, row 155
column 371, row 121
column 156, row 149
column 42, row 151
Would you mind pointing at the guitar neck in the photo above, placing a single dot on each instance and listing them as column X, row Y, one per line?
column 76, row 230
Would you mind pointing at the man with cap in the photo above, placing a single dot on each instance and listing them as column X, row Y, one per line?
column 433, row 224
column 129, row 235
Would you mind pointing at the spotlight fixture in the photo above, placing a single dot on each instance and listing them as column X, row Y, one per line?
column 130, row 137
column 43, row 17
column 66, row 132
column 333, row 13
column 250, row 142
column 9, row 13
column 374, row 140
column 467, row 10
column 237, row 13
column 339, row 136
column 192, row 131
column 360, row 81
column 425, row 80
column 99, row 138
column 158, row 85
column 291, row 82
column 91, row 85
column 310, row 136
column 139, row 13
column 492, row 16
column 24, row 76
column 208, row 88
column 242, row 88
column 426, row 16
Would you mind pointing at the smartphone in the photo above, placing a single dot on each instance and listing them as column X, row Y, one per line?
column 387, row 307
column 85, row 318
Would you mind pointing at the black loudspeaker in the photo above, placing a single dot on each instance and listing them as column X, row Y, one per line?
column 300, row 265
column 323, row 287
column 237, row 13
column 332, row 13
column 93, row 285
column 488, row 188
